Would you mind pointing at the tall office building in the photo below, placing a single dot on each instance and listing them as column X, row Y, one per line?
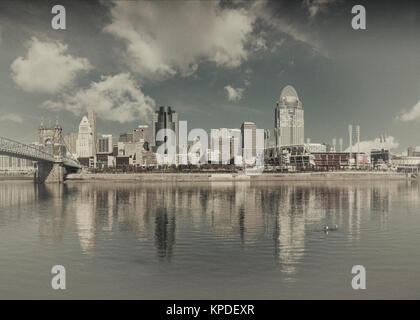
column 225, row 146
column 92, row 122
column 165, row 118
column 84, row 140
column 249, row 139
column 289, row 124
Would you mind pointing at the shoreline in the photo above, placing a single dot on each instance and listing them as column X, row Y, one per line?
column 206, row 177
column 16, row 178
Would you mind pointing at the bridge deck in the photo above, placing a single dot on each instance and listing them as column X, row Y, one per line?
column 16, row 149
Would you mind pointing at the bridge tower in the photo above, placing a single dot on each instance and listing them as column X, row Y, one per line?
column 51, row 141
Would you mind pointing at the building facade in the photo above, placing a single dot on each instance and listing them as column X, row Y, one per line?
column 92, row 122
column 165, row 118
column 105, row 145
column 289, row 122
column 225, row 146
column 70, row 143
column 85, row 140
column 141, row 134
column 11, row 165
column 249, row 139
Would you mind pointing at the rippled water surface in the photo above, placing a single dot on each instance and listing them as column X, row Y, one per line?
column 209, row 240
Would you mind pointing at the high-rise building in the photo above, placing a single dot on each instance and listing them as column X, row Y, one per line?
column 165, row 118
column 267, row 136
column 92, row 122
column 70, row 142
column 84, row 140
column 141, row 134
column 289, row 123
column 105, row 144
column 249, row 139
column 225, row 146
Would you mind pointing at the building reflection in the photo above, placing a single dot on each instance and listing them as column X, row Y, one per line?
column 165, row 228
column 276, row 216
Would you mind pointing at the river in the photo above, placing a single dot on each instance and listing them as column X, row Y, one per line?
column 216, row 240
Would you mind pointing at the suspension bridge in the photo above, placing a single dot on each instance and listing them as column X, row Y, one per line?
column 51, row 163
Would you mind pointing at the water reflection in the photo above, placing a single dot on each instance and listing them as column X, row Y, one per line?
column 278, row 215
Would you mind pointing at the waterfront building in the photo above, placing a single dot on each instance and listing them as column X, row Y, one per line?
column 406, row 163
column 289, row 122
column 11, row 165
column 340, row 160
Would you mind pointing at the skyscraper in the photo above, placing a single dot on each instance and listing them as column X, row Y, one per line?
column 92, row 122
column 226, row 146
column 84, row 139
column 289, row 123
column 165, row 118
column 249, row 139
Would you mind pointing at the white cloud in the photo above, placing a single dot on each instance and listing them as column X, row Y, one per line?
column 388, row 142
column 234, row 94
column 46, row 67
column 412, row 114
column 11, row 117
column 164, row 38
column 114, row 98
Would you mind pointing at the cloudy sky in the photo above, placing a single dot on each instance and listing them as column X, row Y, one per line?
column 216, row 63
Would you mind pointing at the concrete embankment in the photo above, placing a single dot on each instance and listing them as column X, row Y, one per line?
column 192, row 177
column 17, row 177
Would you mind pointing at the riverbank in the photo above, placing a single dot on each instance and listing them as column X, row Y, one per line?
column 200, row 177
column 23, row 177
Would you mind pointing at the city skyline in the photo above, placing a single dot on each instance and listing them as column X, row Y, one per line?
column 343, row 76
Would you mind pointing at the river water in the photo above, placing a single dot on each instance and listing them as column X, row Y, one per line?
column 215, row 240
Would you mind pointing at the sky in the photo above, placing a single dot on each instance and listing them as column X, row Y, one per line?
column 217, row 63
